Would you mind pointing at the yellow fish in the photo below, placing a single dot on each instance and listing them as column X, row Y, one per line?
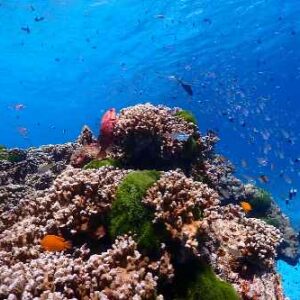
column 246, row 206
column 55, row 243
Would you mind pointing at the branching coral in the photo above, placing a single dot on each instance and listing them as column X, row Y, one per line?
column 238, row 247
column 145, row 132
column 28, row 179
column 77, row 195
column 119, row 273
column 86, row 137
column 217, row 172
column 178, row 202
column 85, row 154
column 145, row 233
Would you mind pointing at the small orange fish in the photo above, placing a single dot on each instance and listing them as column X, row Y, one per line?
column 246, row 206
column 55, row 243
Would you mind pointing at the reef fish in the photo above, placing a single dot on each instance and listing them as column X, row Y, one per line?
column 55, row 243
column 23, row 131
column 180, row 136
column 264, row 179
column 18, row 107
column 108, row 123
column 246, row 206
column 44, row 168
column 186, row 86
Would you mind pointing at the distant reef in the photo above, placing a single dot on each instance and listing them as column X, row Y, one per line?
column 150, row 210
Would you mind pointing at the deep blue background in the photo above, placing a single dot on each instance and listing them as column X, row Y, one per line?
column 242, row 59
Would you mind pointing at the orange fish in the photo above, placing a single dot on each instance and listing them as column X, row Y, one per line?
column 55, row 243
column 108, row 123
column 246, row 206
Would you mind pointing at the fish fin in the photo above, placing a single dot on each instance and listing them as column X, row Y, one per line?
column 68, row 244
column 59, row 238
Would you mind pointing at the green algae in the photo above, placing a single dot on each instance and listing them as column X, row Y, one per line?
column 208, row 287
column 187, row 116
column 199, row 282
column 13, row 155
column 190, row 149
column 261, row 202
column 128, row 214
column 3, row 153
column 274, row 221
column 96, row 164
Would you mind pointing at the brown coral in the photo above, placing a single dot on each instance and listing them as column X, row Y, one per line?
column 239, row 248
column 178, row 202
column 119, row 273
column 85, row 154
column 147, row 128
column 75, row 197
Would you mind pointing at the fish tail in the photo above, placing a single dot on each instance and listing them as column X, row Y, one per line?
column 68, row 244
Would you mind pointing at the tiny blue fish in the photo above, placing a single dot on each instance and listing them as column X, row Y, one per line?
column 181, row 137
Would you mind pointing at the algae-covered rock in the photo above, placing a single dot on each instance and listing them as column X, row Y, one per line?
column 12, row 155
column 96, row 164
column 208, row 287
column 196, row 280
column 187, row 116
column 3, row 153
column 260, row 202
column 274, row 221
column 128, row 214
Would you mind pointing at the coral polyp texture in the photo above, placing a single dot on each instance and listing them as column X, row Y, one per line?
column 156, row 215
column 155, row 131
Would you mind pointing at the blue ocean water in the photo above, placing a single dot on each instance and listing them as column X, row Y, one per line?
column 64, row 62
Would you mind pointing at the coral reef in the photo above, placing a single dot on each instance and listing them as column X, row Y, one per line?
column 187, row 116
column 172, row 231
column 206, row 285
column 179, row 202
column 85, row 154
column 128, row 213
column 86, row 137
column 28, row 178
column 149, row 134
column 266, row 209
column 119, row 273
column 239, row 248
column 77, row 196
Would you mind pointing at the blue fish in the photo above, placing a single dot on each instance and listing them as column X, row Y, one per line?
column 181, row 137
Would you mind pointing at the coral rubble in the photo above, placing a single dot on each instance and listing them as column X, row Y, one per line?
column 154, row 216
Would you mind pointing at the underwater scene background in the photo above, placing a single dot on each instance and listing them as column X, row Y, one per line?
column 234, row 64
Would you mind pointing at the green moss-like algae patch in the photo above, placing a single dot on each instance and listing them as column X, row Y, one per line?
column 208, row 287
column 260, row 203
column 274, row 221
column 96, row 164
column 201, row 283
column 3, row 153
column 187, row 116
column 128, row 214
